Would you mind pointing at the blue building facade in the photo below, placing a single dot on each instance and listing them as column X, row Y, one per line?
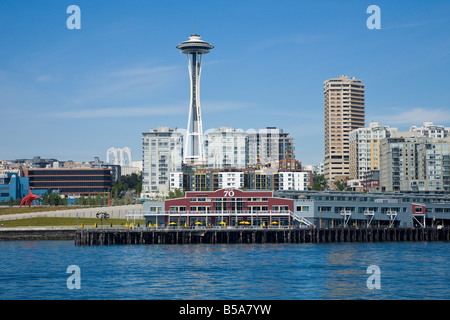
column 13, row 186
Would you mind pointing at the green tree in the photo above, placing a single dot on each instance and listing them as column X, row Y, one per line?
column 319, row 182
column 45, row 199
column 130, row 181
column 125, row 183
column 54, row 199
column 177, row 193
column 139, row 184
column 340, row 185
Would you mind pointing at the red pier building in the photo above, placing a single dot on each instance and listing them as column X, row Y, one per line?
column 225, row 207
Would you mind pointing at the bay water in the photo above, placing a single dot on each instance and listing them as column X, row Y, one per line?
column 406, row 270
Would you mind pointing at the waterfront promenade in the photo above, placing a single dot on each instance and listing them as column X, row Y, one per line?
column 59, row 232
column 115, row 212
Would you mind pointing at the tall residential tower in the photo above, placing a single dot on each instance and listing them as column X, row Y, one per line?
column 194, row 151
column 226, row 147
column 365, row 149
column 162, row 150
column 344, row 112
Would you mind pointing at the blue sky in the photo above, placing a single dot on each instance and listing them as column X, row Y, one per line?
column 72, row 94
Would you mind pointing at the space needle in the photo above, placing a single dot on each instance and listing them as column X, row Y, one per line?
column 194, row 49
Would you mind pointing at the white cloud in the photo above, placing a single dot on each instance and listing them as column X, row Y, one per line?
column 413, row 117
column 145, row 111
column 119, row 112
column 291, row 39
column 223, row 106
column 406, row 25
column 124, row 84
column 141, row 71
column 44, row 78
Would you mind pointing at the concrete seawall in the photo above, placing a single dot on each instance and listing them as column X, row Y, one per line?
column 38, row 233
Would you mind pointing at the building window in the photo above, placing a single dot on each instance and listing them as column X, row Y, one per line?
column 280, row 208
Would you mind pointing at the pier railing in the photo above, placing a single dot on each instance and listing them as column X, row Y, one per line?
column 248, row 216
column 242, row 213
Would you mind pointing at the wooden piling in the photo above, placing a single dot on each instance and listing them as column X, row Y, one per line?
column 297, row 235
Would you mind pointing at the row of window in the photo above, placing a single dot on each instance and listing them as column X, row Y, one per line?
column 252, row 209
column 175, row 209
column 84, row 190
column 362, row 209
column 69, row 184
column 70, row 172
column 71, row 178
column 201, row 199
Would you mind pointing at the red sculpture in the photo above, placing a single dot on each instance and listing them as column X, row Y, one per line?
column 29, row 199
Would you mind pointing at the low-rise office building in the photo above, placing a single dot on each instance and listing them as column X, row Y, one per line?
column 358, row 209
column 225, row 207
column 75, row 181
column 330, row 209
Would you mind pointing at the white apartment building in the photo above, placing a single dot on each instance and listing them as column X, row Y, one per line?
column 314, row 168
column 226, row 147
column 176, row 181
column 162, row 153
column 428, row 129
column 230, row 180
column 365, row 148
column 412, row 162
column 292, row 180
column 269, row 145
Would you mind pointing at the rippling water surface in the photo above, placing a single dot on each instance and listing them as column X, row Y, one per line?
column 409, row 270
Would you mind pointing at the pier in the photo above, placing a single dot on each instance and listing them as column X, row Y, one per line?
column 242, row 235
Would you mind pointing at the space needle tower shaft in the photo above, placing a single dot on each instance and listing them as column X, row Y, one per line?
column 194, row 151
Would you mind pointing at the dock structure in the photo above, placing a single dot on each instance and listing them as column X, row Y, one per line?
column 322, row 209
column 237, row 235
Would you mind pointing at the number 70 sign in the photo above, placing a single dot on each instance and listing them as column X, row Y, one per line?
column 228, row 193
